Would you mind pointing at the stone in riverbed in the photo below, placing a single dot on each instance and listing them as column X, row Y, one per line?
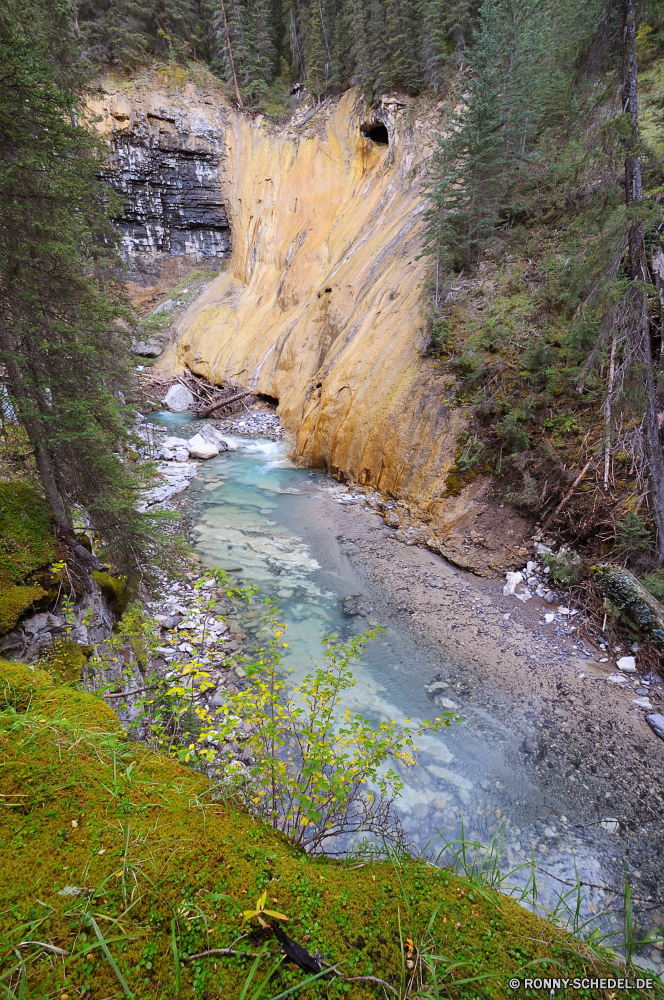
column 627, row 664
column 198, row 448
column 656, row 723
column 178, row 398
column 513, row 581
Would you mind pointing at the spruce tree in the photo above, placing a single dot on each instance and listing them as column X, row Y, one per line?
column 465, row 186
column 62, row 342
column 316, row 61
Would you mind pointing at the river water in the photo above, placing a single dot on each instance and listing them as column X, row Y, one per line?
column 267, row 522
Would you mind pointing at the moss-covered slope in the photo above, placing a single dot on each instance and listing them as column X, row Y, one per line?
column 26, row 546
column 101, row 839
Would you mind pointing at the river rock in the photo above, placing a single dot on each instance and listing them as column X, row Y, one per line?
column 352, row 605
column 211, row 435
column 627, row 664
column 198, row 448
column 513, row 581
column 178, row 398
column 656, row 723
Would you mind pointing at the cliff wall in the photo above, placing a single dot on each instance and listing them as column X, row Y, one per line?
column 165, row 161
column 320, row 306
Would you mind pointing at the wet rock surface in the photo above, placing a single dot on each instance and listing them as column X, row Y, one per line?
column 167, row 172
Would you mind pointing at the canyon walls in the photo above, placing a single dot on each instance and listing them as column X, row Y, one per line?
column 320, row 303
column 165, row 166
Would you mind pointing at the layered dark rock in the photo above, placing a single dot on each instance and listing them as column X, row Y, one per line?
column 168, row 177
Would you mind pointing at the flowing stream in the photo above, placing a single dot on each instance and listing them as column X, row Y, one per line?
column 264, row 521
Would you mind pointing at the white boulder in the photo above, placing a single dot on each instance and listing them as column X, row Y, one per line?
column 211, row 435
column 199, row 448
column 627, row 664
column 513, row 581
column 178, row 398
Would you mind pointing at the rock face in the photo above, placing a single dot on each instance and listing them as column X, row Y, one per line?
column 321, row 308
column 165, row 164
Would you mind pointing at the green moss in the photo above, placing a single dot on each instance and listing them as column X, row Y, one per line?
column 14, row 601
column 26, row 541
column 64, row 660
column 24, row 687
column 166, row 867
column 114, row 590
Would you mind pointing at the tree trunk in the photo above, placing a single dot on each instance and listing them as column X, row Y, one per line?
column 640, row 333
column 23, row 403
column 630, row 105
column 230, row 56
column 639, row 327
column 607, row 416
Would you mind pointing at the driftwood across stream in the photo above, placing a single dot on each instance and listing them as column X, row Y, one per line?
column 208, row 398
column 207, row 410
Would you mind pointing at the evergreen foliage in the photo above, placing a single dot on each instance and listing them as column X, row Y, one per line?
column 62, row 334
column 323, row 44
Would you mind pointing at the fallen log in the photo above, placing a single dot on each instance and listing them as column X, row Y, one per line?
column 223, row 402
column 637, row 606
column 567, row 496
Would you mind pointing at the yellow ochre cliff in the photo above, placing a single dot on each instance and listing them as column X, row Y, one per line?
column 320, row 307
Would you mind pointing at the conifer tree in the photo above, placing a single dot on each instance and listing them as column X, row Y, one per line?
column 465, row 192
column 61, row 301
column 316, row 61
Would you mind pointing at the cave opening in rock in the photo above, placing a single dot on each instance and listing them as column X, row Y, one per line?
column 272, row 400
column 377, row 132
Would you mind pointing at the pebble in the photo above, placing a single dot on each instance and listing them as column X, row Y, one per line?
column 643, row 703
column 261, row 424
column 627, row 664
column 656, row 723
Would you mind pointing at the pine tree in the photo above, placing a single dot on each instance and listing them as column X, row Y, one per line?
column 465, row 185
column 357, row 16
column 435, row 38
column 61, row 301
column 403, row 67
column 316, row 62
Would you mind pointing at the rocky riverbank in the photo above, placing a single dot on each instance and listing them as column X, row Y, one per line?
column 531, row 668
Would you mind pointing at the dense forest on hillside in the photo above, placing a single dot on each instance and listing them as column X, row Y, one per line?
column 328, row 45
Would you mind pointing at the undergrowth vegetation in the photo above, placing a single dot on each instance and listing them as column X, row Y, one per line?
column 287, row 751
column 122, row 873
column 537, row 303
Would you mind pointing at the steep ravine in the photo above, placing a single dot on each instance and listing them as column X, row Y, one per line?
column 320, row 306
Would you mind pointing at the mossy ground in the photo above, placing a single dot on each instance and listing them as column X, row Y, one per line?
column 26, row 546
column 101, row 838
